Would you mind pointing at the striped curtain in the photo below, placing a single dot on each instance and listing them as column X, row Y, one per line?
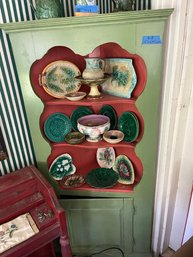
column 13, row 119
column 105, row 6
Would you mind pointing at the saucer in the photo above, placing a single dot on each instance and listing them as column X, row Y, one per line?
column 113, row 136
column 74, row 138
column 76, row 96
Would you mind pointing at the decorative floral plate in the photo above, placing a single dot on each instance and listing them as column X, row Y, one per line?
column 78, row 113
column 58, row 78
column 110, row 112
column 124, row 168
column 105, row 157
column 57, row 126
column 123, row 77
column 62, row 166
column 102, row 178
column 74, row 180
column 128, row 123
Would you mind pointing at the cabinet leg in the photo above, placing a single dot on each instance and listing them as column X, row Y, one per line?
column 65, row 247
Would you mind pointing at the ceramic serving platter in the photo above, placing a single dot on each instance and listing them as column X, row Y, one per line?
column 110, row 112
column 57, row 126
column 128, row 123
column 74, row 180
column 124, row 168
column 62, row 166
column 78, row 113
column 102, row 178
column 105, row 157
column 58, row 78
column 123, row 77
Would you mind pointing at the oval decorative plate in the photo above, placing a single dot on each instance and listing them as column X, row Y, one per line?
column 102, row 178
column 58, row 78
column 74, row 180
column 57, row 126
column 78, row 113
column 110, row 112
column 105, row 157
column 123, row 77
column 62, row 166
column 129, row 125
column 124, row 168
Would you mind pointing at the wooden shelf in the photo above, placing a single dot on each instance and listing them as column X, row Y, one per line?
column 84, row 154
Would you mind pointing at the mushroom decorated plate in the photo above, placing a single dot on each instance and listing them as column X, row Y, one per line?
column 102, row 178
column 124, row 168
column 62, row 166
column 105, row 157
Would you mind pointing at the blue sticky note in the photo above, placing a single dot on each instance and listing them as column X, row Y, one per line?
column 87, row 8
column 151, row 40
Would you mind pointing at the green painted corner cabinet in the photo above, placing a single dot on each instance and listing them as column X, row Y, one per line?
column 120, row 216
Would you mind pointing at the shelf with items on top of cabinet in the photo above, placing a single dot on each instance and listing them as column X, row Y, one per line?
column 103, row 112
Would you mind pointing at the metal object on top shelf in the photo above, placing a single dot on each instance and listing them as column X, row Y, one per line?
column 93, row 84
column 124, row 5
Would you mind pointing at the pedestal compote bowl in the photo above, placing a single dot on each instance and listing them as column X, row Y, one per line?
column 93, row 84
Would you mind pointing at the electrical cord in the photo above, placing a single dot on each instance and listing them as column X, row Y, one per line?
column 110, row 248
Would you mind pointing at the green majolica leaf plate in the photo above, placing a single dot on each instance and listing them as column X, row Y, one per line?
column 58, row 78
column 102, row 178
column 123, row 77
column 110, row 112
column 124, row 168
column 62, row 166
column 129, row 125
column 57, row 126
column 78, row 113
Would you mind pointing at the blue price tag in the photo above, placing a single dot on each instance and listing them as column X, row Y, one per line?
column 151, row 40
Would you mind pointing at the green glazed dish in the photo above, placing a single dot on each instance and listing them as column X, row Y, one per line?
column 62, row 166
column 110, row 112
column 129, row 125
column 102, row 178
column 78, row 113
column 57, row 126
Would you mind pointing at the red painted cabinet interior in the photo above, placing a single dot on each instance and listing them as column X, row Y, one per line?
column 53, row 105
column 26, row 191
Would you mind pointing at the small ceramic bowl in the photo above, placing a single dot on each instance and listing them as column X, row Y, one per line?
column 76, row 96
column 93, row 126
column 113, row 136
column 74, row 138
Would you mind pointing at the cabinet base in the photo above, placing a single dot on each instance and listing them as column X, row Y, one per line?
column 113, row 254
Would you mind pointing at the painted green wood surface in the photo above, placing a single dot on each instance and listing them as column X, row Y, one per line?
column 31, row 40
column 104, row 223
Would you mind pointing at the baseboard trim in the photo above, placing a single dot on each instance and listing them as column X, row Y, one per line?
column 167, row 253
